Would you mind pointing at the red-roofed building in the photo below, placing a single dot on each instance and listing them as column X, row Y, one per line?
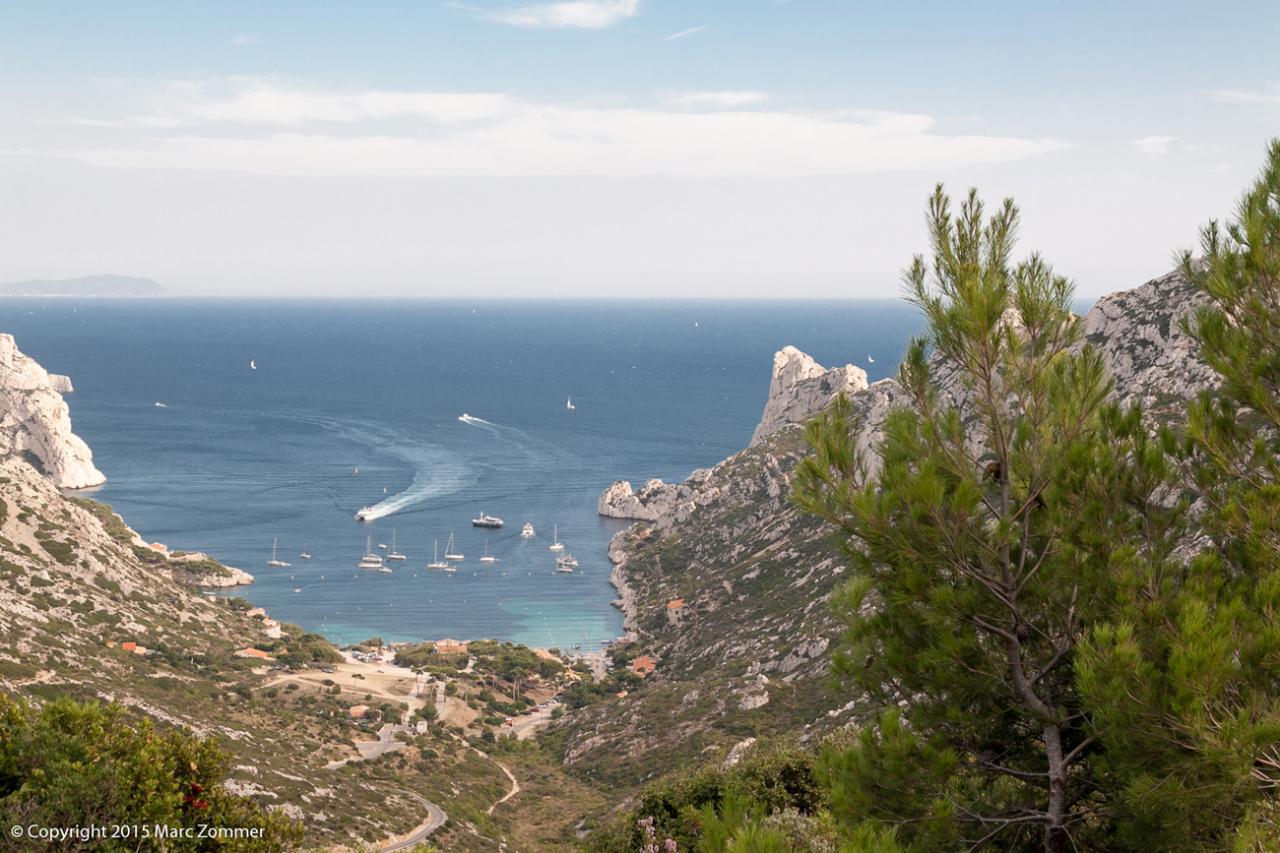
column 251, row 652
column 643, row 665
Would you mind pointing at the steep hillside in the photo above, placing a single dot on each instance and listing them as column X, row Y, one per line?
column 725, row 585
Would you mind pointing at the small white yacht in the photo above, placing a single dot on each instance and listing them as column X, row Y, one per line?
column 304, row 554
column 365, row 513
column 488, row 558
column 370, row 560
column 568, row 404
column 527, row 532
column 567, row 560
column 393, row 554
column 449, row 553
column 273, row 562
column 556, row 544
column 436, row 563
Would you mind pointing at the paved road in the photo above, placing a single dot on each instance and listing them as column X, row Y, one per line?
column 435, row 819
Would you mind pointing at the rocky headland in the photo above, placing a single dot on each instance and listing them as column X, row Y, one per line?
column 35, row 421
column 725, row 584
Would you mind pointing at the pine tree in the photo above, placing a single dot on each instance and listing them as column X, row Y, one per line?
column 1008, row 502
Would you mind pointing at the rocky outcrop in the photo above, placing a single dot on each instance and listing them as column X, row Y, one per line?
column 755, row 574
column 35, row 421
column 1139, row 331
column 801, row 388
column 655, row 499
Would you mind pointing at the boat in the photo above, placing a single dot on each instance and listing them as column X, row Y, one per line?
column 370, row 560
column 382, row 546
column 487, row 521
column 436, row 563
column 527, row 531
column 567, row 560
column 393, row 554
column 386, row 570
column 870, row 360
column 556, row 544
column 304, row 554
column 279, row 564
column 568, row 404
column 365, row 513
column 448, row 551
column 253, row 365
column 160, row 405
column 487, row 558
column 563, row 568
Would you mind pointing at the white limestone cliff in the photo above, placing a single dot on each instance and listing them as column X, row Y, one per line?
column 34, row 420
column 800, row 388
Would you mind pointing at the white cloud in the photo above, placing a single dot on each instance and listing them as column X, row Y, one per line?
column 571, row 14
column 1265, row 98
column 237, row 126
column 245, row 39
column 720, row 99
column 685, row 33
column 1157, row 145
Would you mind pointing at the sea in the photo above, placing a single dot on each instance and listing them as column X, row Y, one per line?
column 232, row 426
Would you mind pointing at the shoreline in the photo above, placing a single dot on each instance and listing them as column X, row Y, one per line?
column 626, row 600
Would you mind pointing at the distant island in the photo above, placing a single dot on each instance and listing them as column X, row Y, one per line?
column 111, row 286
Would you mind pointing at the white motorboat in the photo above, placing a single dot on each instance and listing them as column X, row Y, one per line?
column 527, row 532
column 273, row 562
column 449, row 553
column 393, row 554
column 487, row 521
column 365, row 513
column 556, row 544
column 568, row 404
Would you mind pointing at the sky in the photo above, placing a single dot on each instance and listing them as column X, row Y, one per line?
column 601, row 148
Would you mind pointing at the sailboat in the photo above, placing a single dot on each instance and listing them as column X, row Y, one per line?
column 436, row 563
column 568, row 404
column 280, row 564
column 304, row 554
column 370, row 560
column 393, row 554
column 486, row 558
column 448, row 550
column 556, row 544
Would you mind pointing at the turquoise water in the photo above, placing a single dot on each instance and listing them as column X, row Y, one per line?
column 238, row 457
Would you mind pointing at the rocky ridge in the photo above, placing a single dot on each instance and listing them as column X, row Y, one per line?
column 35, row 420
column 749, row 651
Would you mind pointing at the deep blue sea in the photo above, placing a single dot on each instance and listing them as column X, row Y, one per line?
column 237, row 457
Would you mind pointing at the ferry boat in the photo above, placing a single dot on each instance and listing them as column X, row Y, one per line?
column 527, row 532
column 370, row 560
column 487, row 521
column 563, row 568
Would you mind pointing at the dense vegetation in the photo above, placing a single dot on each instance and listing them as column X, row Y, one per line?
column 74, row 764
column 1067, row 612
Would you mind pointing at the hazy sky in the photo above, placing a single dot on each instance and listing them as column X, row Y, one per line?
column 612, row 147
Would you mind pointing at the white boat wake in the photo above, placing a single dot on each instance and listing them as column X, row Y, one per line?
column 436, row 472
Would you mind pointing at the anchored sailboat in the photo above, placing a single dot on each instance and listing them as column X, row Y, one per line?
column 449, row 553
column 393, row 554
column 556, row 544
column 436, row 563
column 370, row 560
column 487, row 558
column 279, row 564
